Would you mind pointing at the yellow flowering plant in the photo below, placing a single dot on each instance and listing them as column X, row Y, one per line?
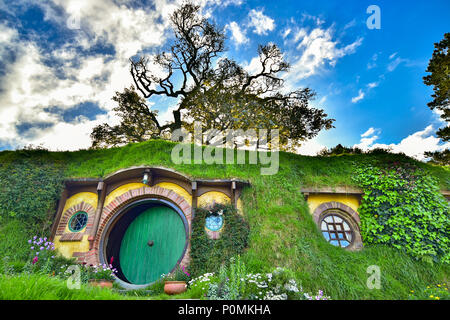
column 432, row 292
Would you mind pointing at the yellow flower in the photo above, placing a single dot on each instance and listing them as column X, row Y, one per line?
column 428, row 287
column 412, row 290
column 438, row 285
column 431, row 296
column 437, row 298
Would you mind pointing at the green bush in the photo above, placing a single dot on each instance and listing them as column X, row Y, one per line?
column 402, row 207
column 207, row 255
column 29, row 189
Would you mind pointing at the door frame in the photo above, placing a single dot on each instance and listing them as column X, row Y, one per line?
column 116, row 218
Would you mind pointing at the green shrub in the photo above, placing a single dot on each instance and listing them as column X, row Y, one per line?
column 208, row 255
column 199, row 287
column 29, row 189
column 179, row 274
column 402, row 207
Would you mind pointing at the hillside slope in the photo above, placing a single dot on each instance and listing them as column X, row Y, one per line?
column 282, row 232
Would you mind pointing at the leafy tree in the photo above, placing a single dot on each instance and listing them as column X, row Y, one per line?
column 212, row 89
column 439, row 67
column 340, row 149
column 138, row 122
column 439, row 157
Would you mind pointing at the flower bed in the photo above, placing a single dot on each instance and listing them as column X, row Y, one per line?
column 234, row 282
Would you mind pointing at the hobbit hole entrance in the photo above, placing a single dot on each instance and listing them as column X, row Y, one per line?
column 143, row 228
column 146, row 239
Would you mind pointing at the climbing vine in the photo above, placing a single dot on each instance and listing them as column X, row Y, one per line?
column 29, row 190
column 207, row 255
column 402, row 207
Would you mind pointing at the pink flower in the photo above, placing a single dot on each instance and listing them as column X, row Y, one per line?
column 35, row 259
column 111, row 261
column 186, row 273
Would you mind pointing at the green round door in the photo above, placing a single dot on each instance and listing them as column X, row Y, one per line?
column 152, row 245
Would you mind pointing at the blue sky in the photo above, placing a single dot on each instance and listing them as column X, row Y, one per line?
column 62, row 60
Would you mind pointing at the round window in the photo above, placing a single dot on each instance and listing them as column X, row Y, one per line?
column 214, row 222
column 78, row 221
column 337, row 230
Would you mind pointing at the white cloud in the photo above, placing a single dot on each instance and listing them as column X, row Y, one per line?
column 310, row 147
column 237, row 34
column 372, row 85
column 362, row 94
column 31, row 85
column 317, row 20
column 372, row 63
column 395, row 63
column 359, row 97
column 260, row 22
column 286, row 32
column 369, row 132
column 254, row 66
column 349, row 25
column 413, row 145
column 315, row 49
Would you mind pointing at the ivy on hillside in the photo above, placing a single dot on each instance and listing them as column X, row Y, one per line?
column 207, row 255
column 402, row 206
column 29, row 189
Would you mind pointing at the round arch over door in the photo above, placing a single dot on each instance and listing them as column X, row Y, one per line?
column 152, row 245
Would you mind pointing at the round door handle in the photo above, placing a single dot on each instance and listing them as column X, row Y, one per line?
column 150, row 243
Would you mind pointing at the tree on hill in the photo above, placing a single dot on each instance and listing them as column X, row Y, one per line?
column 212, row 89
column 439, row 157
column 138, row 122
column 439, row 67
column 339, row 149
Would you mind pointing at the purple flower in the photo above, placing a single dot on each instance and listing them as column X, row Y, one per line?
column 41, row 248
column 32, row 248
column 34, row 238
column 29, row 241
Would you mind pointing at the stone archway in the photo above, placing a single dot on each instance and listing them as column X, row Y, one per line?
column 110, row 212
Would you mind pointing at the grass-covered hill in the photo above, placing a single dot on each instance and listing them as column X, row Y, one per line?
column 282, row 232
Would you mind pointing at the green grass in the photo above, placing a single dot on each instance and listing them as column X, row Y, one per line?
column 42, row 287
column 283, row 233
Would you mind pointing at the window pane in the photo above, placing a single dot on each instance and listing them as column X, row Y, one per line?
column 339, row 230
